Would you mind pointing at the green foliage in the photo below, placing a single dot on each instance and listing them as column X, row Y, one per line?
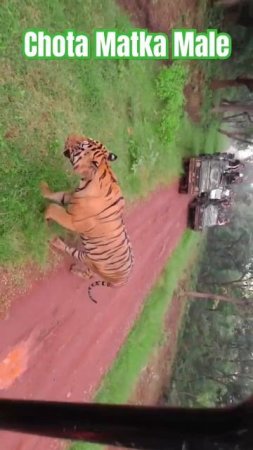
column 214, row 17
column 170, row 85
column 214, row 362
column 243, row 45
column 197, row 379
column 239, row 27
column 200, row 138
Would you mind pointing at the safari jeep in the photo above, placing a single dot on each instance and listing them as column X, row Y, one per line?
column 204, row 173
column 205, row 213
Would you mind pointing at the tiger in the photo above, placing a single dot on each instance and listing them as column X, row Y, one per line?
column 94, row 210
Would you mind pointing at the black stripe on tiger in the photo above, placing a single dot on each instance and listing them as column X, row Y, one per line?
column 94, row 284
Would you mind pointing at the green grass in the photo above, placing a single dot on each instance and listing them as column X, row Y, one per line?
column 197, row 139
column 119, row 102
column 170, row 86
column 147, row 333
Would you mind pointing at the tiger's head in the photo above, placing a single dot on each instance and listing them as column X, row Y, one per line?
column 86, row 154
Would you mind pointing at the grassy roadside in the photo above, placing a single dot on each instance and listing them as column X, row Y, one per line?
column 122, row 103
column 147, row 333
column 134, row 107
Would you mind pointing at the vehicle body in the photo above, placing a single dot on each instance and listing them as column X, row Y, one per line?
column 205, row 173
column 205, row 213
column 221, row 193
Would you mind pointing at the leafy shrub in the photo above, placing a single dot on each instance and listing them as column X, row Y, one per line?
column 170, row 86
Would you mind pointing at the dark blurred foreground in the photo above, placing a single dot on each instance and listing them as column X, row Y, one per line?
column 133, row 426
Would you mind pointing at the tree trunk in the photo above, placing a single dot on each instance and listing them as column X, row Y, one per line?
column 234, row 135
column 217, row 297
column 239, row 282
column 235, row 118
column 227, row 3
column 234, row 107
column 238, row 82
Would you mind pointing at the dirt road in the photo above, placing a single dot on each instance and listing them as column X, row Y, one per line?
column 56, row 344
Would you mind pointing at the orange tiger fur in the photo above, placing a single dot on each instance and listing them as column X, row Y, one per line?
column 94, row 211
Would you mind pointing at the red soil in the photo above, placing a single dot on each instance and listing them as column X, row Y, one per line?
column 56, row 344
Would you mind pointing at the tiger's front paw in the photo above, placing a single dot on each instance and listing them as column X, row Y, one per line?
column 58, row 243
column 44, row 189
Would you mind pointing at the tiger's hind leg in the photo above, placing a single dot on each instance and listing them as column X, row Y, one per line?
column 72, row 251
column 84, row 272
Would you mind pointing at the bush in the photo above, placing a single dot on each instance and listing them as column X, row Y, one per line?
column 170, row 85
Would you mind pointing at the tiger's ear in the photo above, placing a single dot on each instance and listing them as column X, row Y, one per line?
column 84, row 145
column 112, row 157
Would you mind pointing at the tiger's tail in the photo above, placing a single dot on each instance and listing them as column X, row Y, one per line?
column 94, row 284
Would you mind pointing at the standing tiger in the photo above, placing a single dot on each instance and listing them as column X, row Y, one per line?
column 94, row 211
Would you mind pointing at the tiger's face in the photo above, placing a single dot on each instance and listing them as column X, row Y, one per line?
column 86, row 155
